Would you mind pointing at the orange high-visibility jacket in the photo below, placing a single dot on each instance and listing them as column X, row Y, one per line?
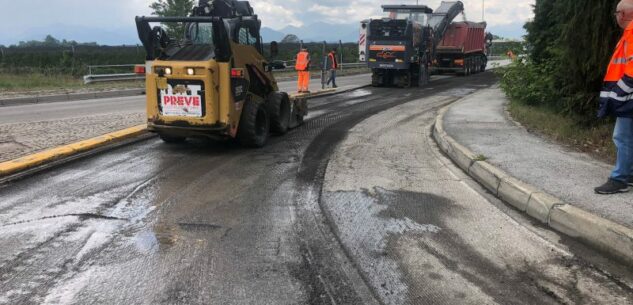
column 303, row 61
column 617, row 92
column 332, row 63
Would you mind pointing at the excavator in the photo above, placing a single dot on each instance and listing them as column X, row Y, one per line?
column 206, row 76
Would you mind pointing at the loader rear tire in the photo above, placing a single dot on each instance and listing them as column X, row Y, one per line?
column 254, row 125
column 279, row 112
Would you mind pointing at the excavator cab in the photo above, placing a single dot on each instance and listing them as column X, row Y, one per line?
column 206, row 76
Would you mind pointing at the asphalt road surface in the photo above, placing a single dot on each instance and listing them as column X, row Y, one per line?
column 122, row 105
column 355, row 207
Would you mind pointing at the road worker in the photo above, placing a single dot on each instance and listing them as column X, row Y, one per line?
column 511, row 55
column 332, row 66
column 616, row 100
column 303, row 70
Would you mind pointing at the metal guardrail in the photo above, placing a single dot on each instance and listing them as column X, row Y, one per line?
column 343, row 66
column 93, row 77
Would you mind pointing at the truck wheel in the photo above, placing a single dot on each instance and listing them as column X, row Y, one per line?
column 377, row 80
column 405, row 79
column 468, row 65
column 279, row 112
column 254, row 125
column 424, row 76
column 171, row 139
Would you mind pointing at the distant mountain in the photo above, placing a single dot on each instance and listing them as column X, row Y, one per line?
column 269, row 35
column 127, row 34
column 315, row 32
column 115, row 36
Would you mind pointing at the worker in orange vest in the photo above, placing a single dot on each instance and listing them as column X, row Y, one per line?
column 616, row 100
column 332, row 66
column 303, row 70
column 511, row 55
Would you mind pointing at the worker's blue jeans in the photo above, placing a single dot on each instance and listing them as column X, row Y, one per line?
column 332, row 78
column 623, row 139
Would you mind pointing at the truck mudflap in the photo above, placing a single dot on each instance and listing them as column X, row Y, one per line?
column 299, row 111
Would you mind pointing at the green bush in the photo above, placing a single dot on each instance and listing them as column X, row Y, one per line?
column 530, row 83
column 570, row 43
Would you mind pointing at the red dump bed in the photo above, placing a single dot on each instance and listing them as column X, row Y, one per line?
column 464, row 37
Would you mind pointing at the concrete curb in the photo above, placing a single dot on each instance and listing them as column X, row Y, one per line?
column 596, row 231
column 70, row 97
column 27, row 162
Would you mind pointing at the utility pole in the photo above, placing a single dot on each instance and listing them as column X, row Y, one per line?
column 324, row 66
column 483, row 10
column 340, row 47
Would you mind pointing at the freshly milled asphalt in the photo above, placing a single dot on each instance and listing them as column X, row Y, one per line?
column 212, row 223
column 421, row 234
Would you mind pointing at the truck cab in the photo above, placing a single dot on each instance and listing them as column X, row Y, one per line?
column 398, row 46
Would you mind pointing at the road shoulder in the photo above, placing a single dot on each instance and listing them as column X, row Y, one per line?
column 405, row 213
column 542, row 179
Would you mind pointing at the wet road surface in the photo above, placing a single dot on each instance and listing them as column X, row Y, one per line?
column 212, row 223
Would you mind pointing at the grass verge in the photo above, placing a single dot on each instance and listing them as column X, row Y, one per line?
column 24, row 82
column 595, row 141
column 18, row 84
column 38, row 83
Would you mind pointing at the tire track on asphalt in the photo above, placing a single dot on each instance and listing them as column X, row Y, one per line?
column 184, row 173
column 312, row 172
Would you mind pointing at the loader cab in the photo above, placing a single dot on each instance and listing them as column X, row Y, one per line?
column 184, row 39
column 205, row 71
column 245, row 31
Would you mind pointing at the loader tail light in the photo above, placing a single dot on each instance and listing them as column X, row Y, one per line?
column 459, row 62
column 139, row 69
column 237, row 73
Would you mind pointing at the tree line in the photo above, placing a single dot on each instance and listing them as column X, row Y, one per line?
column 74, row 59
column 570, row 44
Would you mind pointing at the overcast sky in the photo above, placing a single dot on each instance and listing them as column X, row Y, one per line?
column 19, row 18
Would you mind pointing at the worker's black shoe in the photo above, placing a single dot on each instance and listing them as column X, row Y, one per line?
column 612, row 187
column 630, row 181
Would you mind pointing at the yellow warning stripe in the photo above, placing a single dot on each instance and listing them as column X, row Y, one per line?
column 30, row 161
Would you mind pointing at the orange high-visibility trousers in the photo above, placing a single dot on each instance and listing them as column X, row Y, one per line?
column 304, row 81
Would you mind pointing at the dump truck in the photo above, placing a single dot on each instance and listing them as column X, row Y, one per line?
column 400, row 48
column 206, row 76
column 463, row 49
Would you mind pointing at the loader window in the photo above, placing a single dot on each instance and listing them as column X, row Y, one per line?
column 246, row 37
column 201, row 33
column 388, row 30
column 418, row 17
